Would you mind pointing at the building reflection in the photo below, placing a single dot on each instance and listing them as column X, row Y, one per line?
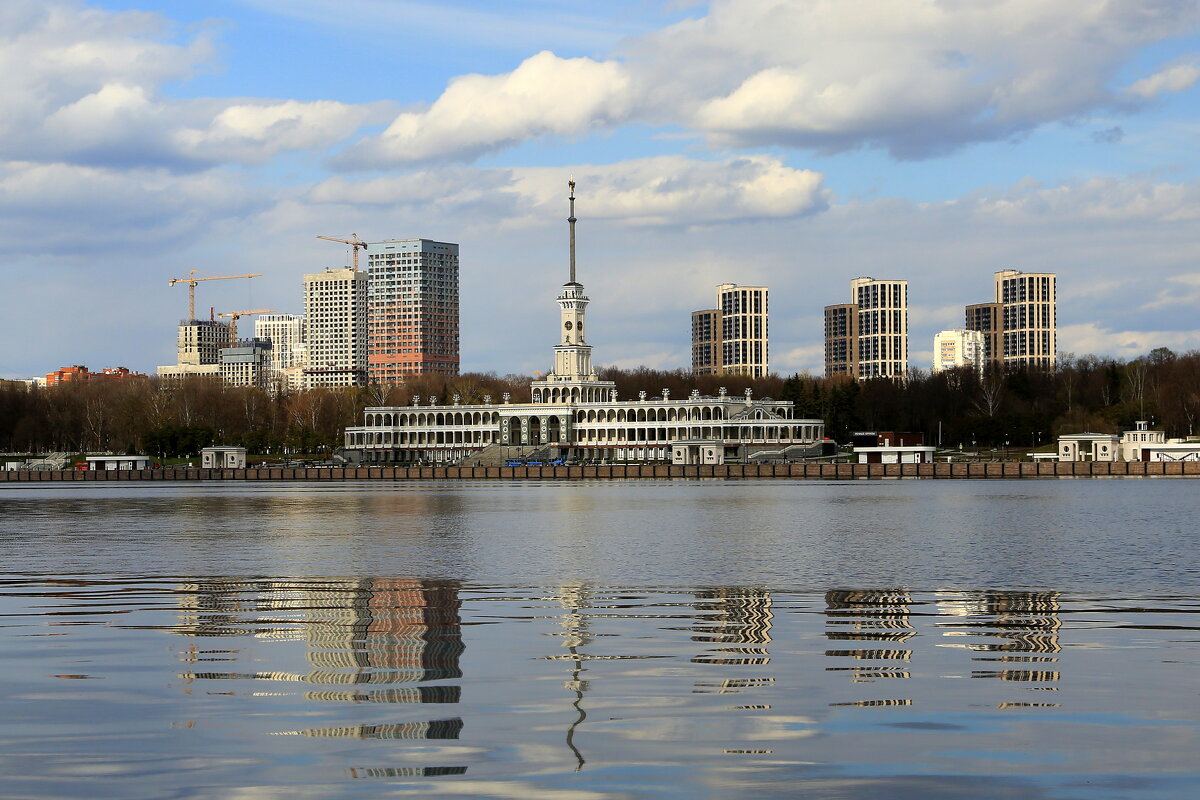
column 404, row 628
column 434, row 729
column 880, row 616
column 863, row 621
column 738, row 619
column 401, row 627
column 1016, row 628
column 405, row 772
column 357, row 633
column 1019, row 622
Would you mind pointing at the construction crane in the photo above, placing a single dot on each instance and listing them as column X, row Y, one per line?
column 192, row 280
column 354, row 243
column 234, row 316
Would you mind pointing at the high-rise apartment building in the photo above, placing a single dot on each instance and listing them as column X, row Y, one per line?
column 706, row 342
column 732, row 339
column 987, row 319
column 1030, row 317
column 868, row 337
column 412, row 309
column 1021, row 326
column 335, row 310
column 882, row 327
column 958, row 348
column 841, row 340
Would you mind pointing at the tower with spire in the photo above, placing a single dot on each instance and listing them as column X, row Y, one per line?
column 574, row 416
column 573, row 379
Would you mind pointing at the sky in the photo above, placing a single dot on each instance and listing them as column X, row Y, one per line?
column 795, row 144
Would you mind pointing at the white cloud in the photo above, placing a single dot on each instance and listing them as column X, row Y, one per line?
column 665, row 190
column 82, row 85
column 645, row 267
column 800, row 358
column 916, row 78
column 673, row 190
column 254, row 132
column 652, row 358
column 1091, row 337
column 480, row 113
column 1176, row 78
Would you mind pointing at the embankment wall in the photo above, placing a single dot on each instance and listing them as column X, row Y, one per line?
column 958, row 470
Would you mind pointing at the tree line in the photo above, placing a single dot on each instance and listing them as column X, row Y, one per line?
column 1010, row 407
column 175, row 418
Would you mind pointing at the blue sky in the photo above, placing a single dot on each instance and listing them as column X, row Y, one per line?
column 794, row 144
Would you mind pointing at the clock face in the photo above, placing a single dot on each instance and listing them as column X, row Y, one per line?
column 568, row 325
column 581, row 327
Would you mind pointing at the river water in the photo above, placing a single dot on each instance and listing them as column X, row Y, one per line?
column 586, row 641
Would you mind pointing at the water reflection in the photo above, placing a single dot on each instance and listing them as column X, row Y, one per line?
column 720, row 685
column 361, row 632
column 574, row 601
column 1009, row 626
column 738, row 618
column 378, row 630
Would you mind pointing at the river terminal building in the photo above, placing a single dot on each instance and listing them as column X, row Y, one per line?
column 576, row 417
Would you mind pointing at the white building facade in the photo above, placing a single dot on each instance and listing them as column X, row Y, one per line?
column 289, row 349
column 1139, row 444
column 958, row 348
column 335, row 310
column 574, row 416
column 1089, row 447
column 285, row 332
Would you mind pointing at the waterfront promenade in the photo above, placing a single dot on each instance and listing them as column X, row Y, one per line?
column 957, row 470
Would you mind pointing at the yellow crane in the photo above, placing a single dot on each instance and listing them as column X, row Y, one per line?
column 234, row 316
column 354, row 243
column 192, row 280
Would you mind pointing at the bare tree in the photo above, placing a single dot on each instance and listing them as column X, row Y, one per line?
column 1135, row 380
column 991, row 393
column 96, row 420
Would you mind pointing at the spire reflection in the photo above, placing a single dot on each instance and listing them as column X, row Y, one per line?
column 575, row 635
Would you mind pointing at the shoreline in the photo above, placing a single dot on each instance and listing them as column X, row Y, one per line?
column 965, row 470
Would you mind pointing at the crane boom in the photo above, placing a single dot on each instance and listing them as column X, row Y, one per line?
column 234, row 316
column 354, row 243
column 192, row 280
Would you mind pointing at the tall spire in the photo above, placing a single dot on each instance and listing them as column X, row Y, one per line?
column 571, row 220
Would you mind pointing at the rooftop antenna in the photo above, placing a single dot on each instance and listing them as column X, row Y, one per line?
column 571, row 220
